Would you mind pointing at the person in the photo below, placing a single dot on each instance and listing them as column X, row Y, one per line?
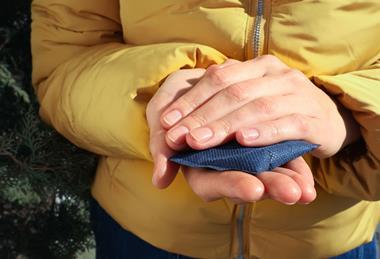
column 136, row 82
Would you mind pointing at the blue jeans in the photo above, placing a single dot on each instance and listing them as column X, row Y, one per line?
column 366, row 251
column 114, row 242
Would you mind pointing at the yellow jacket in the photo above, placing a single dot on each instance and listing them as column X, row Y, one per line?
column 96, row 63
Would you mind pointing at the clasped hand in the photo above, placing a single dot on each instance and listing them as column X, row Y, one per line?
column 257, row 102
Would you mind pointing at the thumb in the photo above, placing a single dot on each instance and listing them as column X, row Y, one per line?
column 164, row 171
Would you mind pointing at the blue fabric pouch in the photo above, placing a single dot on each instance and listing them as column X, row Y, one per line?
column 253, row 160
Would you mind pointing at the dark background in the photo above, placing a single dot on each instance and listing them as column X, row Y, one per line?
column 44, row 180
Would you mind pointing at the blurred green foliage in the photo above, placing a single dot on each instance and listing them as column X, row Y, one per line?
column 44, row 180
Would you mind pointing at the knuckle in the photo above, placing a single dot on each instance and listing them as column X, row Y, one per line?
column 186, row 104
column 274, row 131
column 270, row 59
column 195, row 120
column 265, row 106
column 212, row 68
column 301, row 124
column 242, row 114
column 217, row 76
column 236, row 93
column 273, row 62
column 225, row 125
column 293, row 75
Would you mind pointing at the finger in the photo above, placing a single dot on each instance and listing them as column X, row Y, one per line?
column 175, row 86
column 215, row 79
column 261, row 111
column 300, row 166
column 166, row 93
column 211, row 185
column 308, row 193
column 164, row 171
column 230, row 99
column 176, row 139
column 280, row 187
column 291, row 127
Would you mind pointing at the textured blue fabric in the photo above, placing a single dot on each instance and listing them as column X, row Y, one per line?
column 365, row 251
column 253, row 160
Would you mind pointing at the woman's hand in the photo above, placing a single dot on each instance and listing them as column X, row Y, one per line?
column 283, row 184
column 290, row 184
column 174, row 86
column 258, row 102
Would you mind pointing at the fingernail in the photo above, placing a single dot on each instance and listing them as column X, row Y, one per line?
column 250, row 134
column 202, row 134
column 172, row 117
column 178, row 134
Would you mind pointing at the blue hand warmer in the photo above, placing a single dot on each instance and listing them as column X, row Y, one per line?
column 253, row 160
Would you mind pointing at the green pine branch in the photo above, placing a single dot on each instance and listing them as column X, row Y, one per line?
column 44, row 180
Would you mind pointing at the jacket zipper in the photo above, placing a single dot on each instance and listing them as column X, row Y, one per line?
column 256, row 51
column 257, row 28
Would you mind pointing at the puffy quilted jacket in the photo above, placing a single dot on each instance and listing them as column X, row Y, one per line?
column 96, row 63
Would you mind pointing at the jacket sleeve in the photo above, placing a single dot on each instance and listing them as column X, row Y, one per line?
column 92, row 86
column 347, row 174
